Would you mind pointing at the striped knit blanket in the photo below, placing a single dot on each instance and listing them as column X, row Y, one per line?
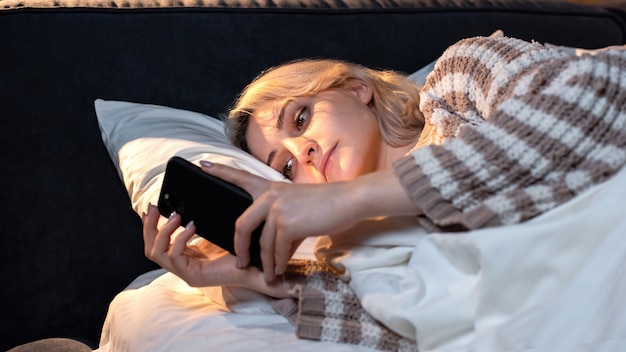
column 325, row 308
column 514, row 129
column 526, row 128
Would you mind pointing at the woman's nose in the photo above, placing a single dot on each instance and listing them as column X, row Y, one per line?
column 305, row 151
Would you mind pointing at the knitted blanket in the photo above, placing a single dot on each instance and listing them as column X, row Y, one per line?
column 517, row 129
column 325, row 308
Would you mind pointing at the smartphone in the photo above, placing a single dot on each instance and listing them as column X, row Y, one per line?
column 212, row 203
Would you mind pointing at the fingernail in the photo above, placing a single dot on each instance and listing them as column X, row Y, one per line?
column 205, row 163
column 238, row 263
column 266, row 276
column 172, row 215
column 189, row 225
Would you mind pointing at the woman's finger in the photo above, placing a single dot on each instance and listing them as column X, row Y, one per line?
column 162, row 241
column 150, row 230
column 180, row 262
column 283, row 250
column 179, row 245
column 247, row 222
column 241, row 240
column 267, row 242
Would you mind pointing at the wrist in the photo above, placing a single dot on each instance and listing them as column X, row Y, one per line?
column 380, row 194
column 252, row 278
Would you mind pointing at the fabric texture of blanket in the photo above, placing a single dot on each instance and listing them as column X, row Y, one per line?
column 325, row 308
column 516, row 129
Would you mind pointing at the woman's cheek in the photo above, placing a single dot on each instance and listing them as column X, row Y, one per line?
column 347, row 168
column 309, row 175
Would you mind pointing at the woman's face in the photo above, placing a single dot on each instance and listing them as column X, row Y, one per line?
column 330, row 136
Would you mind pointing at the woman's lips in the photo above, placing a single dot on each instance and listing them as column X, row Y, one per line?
column 325, row 161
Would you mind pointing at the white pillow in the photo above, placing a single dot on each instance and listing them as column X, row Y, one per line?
column 141, row 138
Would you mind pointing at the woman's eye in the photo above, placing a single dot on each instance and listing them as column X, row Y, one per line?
column 288, row 169
column 301, row 117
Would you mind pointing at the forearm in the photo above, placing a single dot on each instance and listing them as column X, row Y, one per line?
column 379, row 194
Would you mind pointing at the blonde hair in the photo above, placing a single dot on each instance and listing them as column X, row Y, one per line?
column 395, row 99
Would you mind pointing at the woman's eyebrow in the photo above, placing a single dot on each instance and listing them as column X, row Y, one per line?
column 281, row 115
column 279, row 126
column 270, row 158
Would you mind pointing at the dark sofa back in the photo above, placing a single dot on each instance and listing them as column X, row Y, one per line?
column 69, row 239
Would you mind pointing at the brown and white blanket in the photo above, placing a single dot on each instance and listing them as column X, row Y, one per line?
column 516, row 129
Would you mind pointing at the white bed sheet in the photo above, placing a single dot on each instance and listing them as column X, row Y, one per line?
column 168, row 315
column 557, row 283
column 159, row 312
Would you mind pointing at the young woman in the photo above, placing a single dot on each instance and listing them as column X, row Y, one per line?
column 503, row 130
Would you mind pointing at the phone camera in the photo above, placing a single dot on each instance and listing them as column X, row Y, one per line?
column 174, row 203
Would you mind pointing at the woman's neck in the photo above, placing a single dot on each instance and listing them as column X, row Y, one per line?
column 389, row 154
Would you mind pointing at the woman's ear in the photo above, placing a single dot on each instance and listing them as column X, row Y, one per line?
column 362, row 91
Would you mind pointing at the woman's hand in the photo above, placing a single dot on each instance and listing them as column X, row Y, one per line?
column 292, row 212
column 287, row 213
column 202, row 264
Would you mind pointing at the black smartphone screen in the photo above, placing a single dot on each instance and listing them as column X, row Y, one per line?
column 212, row 203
